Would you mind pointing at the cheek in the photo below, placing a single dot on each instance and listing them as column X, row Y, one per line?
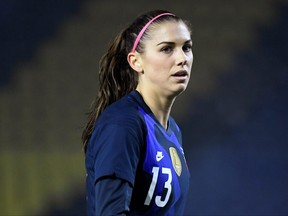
column 158, row 64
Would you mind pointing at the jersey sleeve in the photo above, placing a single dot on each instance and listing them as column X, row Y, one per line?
column 117, row 151
column 113, row 196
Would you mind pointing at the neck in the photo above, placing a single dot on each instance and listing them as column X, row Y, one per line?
column 159, row 105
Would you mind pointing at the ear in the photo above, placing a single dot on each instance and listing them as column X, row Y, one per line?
column 134, row 61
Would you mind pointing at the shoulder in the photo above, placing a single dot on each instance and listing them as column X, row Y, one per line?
column 173, row 126
column 124, row 113
column 117, row 141
column 124, row 117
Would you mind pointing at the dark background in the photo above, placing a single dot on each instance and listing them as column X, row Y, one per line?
column 233, row 115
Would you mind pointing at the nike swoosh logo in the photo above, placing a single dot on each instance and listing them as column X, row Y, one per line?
column 158, row 158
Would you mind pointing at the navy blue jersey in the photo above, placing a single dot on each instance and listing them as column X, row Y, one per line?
column 131, row 148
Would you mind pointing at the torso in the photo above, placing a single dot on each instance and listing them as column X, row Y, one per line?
column 164, row 170
column 156, row 165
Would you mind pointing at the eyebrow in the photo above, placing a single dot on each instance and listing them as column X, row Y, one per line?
column 172, row 43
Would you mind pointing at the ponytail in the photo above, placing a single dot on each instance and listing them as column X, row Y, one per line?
column 116, row 80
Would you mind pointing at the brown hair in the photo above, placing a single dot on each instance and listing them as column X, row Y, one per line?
column 116, row 77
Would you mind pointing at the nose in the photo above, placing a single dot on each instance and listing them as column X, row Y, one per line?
column 181, row 58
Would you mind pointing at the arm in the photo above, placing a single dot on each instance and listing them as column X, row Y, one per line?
column 113, row 196
column 116, row 151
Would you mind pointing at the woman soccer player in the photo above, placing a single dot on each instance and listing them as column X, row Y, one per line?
column 134, row 158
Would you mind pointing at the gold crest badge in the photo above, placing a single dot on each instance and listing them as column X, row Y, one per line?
column 175, row 160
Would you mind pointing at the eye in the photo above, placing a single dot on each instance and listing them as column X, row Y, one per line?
column 187, row 48
column 166, row 49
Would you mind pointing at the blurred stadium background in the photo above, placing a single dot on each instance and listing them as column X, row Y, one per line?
column 233, row 116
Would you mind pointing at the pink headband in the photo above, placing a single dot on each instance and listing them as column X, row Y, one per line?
column 145, row 27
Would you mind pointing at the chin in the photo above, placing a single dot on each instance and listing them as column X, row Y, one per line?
column 179, row 90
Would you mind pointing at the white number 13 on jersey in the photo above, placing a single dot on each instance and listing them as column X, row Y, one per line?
column 159, row 202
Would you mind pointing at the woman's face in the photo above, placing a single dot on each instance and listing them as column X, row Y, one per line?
column 167, row 59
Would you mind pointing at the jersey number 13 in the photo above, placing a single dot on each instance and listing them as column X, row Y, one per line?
column 158, row 199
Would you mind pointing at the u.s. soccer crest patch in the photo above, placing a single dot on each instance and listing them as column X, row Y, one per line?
column 175, row 160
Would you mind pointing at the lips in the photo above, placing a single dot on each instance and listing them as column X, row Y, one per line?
column 180, row 73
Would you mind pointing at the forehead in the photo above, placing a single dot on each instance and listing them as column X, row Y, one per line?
column 169, row 31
